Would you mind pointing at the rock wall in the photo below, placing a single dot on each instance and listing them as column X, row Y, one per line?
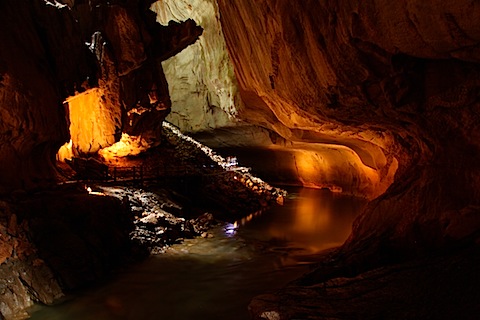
column 39, row 64
column 201, row 81
column 24, row 276
column 104, row 56
column 393, row 82
column 132, row 95
column 206, row 102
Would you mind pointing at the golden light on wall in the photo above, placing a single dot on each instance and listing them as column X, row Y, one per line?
column 308, row 164
column 93, row 121
column 335, row 167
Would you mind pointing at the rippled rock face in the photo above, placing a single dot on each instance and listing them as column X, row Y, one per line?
column 206, row 102
column 392, row 82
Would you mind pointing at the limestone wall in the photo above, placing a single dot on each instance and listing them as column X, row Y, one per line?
column 392, row 81
column 201, row 80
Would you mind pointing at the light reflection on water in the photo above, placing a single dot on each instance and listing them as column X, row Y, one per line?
column 215, row 278
column 311, row 220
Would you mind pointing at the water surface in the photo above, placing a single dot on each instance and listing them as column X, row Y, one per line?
column 215, row 278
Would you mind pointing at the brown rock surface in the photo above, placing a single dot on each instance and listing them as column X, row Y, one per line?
column 443, row 287
column 39, row 62
column 44, row 60
column 60, row 241
column 81, row 236
column 389, row 81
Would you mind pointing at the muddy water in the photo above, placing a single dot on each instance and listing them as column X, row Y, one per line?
column 215, row 278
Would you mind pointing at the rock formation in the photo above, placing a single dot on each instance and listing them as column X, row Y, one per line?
column 39, row 64
column 132, row 94
column 376, row 98
column 397, row 83
column 57, row 241
column 93, row 65
column 113, row 85
column 392, row 82
column 202, row 84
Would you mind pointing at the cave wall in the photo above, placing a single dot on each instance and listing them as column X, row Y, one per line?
column 206, row 103
column 90, row 66
column 202, row 83
column 132, row 95
column 396, row 81
column 39, row 64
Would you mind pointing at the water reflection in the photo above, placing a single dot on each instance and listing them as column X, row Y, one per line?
column 215, row 278
column 312, row 220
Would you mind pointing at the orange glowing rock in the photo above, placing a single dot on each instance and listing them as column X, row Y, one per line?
column 127, row 146
column 65, row 152
column 93, row 121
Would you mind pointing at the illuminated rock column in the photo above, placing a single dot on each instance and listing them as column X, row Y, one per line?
column 92, row 122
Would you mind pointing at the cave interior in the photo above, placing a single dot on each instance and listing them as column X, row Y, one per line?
column 375, row 99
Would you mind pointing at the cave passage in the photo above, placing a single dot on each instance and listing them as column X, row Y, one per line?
column 216, row 277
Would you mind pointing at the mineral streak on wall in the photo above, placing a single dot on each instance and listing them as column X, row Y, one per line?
column 201, row 80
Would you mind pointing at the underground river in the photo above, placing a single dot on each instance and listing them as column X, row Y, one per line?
column 215, row 278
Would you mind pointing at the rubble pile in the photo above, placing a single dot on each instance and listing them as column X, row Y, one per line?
column 157, row 219
column 225, row 183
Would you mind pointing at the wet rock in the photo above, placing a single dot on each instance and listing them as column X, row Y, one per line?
column 213, row 180
column 202, row 223
column 156, row 228
column 207, row 235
